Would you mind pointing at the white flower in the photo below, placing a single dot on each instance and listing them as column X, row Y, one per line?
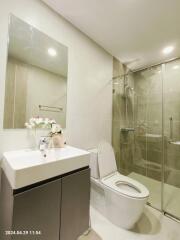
column 53, row 128
column 28, row 126
column 56, row 128
column 39, row 122
column 52, row 121
column 31, row 121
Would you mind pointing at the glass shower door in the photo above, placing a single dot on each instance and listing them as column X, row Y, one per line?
column 146, row 132
column 148, row 154
column 171, row 188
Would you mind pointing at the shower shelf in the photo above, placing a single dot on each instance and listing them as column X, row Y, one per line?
column 175, row 143
column 127, row 129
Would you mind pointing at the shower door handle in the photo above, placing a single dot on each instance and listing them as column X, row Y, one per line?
column 171, row 129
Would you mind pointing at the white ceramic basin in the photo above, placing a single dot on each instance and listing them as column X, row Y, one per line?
column 25, row 167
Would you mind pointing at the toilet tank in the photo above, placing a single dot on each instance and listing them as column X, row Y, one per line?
column 94, row 163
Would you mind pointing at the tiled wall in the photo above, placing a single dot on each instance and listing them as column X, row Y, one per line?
column 122, row 117
column 148, row 122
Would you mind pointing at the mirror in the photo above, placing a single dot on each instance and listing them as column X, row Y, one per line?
column 36, row 76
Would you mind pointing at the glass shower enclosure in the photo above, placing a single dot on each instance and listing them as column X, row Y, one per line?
column 146, row 131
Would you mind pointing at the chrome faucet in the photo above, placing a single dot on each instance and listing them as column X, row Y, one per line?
column 43, row 145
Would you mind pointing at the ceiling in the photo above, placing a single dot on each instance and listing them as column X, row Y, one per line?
column 134, row 31
column 29, row 45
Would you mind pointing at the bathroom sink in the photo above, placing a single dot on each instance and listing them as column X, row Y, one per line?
column 25, row 167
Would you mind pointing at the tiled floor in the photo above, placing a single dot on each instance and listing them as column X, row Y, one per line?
column 152, row 226
column 91, row 236
column 171, row 194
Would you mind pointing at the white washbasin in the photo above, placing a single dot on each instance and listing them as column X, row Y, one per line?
column 25, row 167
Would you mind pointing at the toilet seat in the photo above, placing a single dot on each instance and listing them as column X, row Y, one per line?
column 112, row 179
column 125, row 186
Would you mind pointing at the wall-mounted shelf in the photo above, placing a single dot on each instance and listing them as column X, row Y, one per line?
column 127, row 129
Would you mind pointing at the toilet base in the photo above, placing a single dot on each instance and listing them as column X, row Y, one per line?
column 98, row 198
column 122, row 211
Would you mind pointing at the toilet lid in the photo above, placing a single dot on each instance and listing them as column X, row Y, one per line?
column 106, row 159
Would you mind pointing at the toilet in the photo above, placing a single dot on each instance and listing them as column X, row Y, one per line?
column 120, row 198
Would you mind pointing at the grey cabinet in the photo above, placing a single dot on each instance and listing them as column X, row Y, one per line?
column 38, row 211
column 57, row 209
column 75, row 205
column 6, row 207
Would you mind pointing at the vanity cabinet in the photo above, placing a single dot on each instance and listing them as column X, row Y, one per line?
column 55, row 209
column 75, row 205
column 37, row 210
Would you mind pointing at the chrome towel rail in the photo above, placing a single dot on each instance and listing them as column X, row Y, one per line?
column 50, row 109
